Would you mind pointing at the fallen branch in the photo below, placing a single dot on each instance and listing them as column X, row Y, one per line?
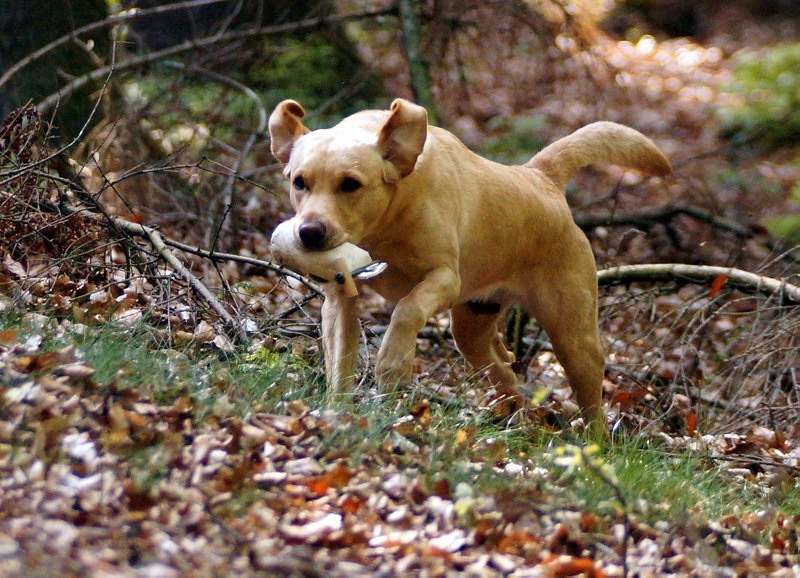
column 157, row 241
column 742, row 280
column 160, row 245
column 646, row 218
column 756, row 461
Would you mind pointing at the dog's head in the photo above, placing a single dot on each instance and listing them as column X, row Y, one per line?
column 342, row 179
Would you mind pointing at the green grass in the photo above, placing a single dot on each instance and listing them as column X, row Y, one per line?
column 138, row 358
column 686, row 487
column 788, row 501
column 465, row 446
column 656, row 483
column 763, row 100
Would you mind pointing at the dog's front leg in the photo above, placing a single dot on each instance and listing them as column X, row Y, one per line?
column 436, row 292
column 340, row 333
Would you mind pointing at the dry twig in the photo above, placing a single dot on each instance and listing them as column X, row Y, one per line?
column 162, row 247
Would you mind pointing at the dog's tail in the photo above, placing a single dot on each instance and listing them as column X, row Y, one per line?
column 600, row 142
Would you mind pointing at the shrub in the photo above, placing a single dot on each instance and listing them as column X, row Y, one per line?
column 764, row 97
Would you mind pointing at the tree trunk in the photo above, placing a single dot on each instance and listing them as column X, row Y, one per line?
column 417, row 65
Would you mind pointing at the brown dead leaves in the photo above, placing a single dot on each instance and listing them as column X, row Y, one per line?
column 103, row 479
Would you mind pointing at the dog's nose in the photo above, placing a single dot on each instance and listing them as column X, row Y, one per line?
column 312, row 234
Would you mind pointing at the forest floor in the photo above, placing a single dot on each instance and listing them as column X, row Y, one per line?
column 157, row 446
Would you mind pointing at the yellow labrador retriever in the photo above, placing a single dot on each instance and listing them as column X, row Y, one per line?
column 458, row 232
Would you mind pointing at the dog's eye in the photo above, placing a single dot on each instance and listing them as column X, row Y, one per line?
column 299, row 183
column 349, row 185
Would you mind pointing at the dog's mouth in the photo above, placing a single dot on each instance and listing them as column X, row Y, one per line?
column 323, row 264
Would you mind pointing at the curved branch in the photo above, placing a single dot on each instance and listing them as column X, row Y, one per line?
column 137, row 61
column 131, row 14
column 743, row 280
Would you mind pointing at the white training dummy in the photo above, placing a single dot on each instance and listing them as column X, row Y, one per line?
column 340, row 264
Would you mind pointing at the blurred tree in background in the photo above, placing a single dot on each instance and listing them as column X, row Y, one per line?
column 27, row 26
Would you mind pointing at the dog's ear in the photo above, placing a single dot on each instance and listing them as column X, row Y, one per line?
column 285, row 127
column 403, row 135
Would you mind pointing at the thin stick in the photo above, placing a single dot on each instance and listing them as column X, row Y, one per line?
column 279, row 269
column 157, row 241
column 160, row 246
column 756, row 460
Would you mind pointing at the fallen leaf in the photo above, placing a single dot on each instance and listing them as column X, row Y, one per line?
column 691, row 423
column 350, row 504
column 626, row 399
column 442, row 489
column 313, row 531
column 717, row 284
column 319, row 486
column 453, row 541
column 569, row 566
column 7, row 337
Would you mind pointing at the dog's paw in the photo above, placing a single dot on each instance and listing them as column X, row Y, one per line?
column 394, row 370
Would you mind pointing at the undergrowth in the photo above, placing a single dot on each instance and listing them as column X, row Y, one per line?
column 469, row 450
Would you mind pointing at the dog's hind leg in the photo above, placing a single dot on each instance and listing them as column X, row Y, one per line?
column 474, row 328
column 566, row 308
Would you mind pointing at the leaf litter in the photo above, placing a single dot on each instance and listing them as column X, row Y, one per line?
column 94, row 478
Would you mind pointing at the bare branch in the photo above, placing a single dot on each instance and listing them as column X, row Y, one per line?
column 142, row 231
column 48, row 103
column 279, row 269
column 743, row 280
column 756, row 461
column 159, row 245
column 131, row 14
